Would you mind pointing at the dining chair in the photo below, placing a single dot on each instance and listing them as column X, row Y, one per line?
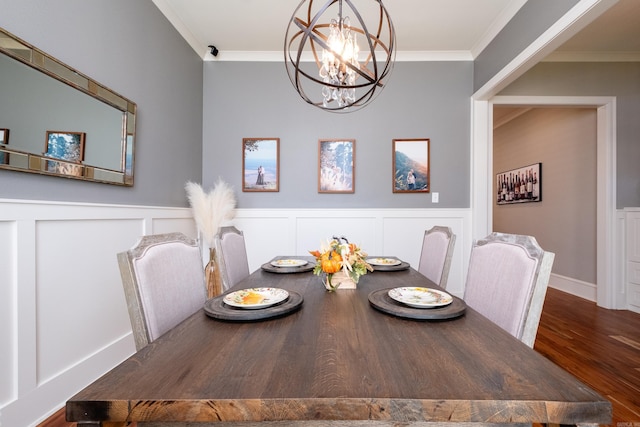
column 437, row 251
column 232, row 256
column 507, row 282
column 163, row 280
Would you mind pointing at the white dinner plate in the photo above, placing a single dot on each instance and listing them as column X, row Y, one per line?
column 253, row 298
column 421, row 297
column 384, row 261
column 288, row 262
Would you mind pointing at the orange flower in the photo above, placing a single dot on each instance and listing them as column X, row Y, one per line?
column 315, row 254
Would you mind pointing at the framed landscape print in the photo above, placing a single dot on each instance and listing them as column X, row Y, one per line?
column 336, row 165
column 411, row 166
column 4, row 136
column 260, row 164
column 66, row 146
column 520, row 185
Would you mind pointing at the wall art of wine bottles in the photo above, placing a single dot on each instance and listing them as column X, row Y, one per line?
column 520, row 185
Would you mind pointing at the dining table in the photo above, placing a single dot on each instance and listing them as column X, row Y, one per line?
column 345, row 357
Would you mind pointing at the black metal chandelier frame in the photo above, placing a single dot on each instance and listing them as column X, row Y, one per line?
column 311, row 32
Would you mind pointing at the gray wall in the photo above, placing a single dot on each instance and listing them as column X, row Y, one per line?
column 533, row 19
column 564, row 222
column 621, row 80
column 130, row 47
column 421, row 100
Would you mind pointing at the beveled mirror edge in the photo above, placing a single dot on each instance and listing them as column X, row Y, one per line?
column 33, row 57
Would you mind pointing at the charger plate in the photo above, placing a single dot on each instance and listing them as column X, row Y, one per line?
column 401, row 265
column 299, row 269
column 380, row 300
column 217, row 309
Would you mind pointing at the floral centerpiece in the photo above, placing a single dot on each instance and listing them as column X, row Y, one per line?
column 340, row 263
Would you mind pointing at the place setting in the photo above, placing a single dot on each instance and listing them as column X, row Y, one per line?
column 418, row 303
column 387, row 264
column 253, row 304
column 288, row 265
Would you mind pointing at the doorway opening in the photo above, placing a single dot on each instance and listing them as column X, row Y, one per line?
column 608, row 295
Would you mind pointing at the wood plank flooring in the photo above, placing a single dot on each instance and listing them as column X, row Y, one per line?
column 600, row 347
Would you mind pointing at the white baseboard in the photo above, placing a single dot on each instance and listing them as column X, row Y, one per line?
column 573, row 286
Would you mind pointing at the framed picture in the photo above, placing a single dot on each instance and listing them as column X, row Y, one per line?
column 4, row 140
column 336, row 165
column 411, row 166
column 520, row 185
column 67, row 147
column 260, row 164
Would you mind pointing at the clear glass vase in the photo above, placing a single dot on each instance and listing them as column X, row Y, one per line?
column 212, row 276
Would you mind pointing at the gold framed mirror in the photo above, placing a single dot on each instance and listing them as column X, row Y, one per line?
column 54, row 120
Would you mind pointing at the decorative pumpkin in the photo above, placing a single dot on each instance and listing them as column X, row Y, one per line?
column 331, row 262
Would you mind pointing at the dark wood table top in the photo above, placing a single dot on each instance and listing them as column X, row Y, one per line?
column 338, row 359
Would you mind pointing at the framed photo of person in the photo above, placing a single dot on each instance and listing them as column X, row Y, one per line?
column 261, row 164
column 411, row 166
column 336, row 165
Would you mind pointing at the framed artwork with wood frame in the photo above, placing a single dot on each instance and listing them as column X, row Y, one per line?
column 336, row 165
column 4, row 136
column 411, row 170
column 4, row 141
column 67, row 147
column 260, row 164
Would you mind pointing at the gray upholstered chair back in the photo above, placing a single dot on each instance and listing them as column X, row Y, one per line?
column 437, row 251
column 507, row 282
column 232, row 256
column 163, row 279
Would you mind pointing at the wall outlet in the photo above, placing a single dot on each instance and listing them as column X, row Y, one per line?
column 435, row 197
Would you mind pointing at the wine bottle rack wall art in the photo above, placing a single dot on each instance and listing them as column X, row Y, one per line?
column 520, row 185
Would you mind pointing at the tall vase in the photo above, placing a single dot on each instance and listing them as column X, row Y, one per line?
column 212, row 275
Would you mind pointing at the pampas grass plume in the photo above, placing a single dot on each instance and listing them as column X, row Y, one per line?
column 211, row 209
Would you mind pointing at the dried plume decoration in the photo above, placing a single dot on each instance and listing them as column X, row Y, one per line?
column 210, row 210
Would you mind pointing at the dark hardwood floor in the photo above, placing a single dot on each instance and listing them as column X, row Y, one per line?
column 600, row 347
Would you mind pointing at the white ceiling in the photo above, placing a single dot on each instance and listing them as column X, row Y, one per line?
column 426, row 29
column 255, row 29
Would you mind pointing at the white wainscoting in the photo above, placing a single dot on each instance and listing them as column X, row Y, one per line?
column 63, row 316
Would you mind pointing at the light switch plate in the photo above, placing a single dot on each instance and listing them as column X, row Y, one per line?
column 435, row 197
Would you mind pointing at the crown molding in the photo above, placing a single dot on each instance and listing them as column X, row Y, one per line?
column 278, row 56
column 600, row 56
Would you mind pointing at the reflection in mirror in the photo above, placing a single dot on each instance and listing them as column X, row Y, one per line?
column 57, row 121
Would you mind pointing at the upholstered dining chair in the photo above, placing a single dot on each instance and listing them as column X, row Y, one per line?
column 507, row 282
column 437, row 251
column 163, row 280
column 232, row 256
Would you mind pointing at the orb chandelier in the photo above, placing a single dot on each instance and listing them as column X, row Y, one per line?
column 352, row 52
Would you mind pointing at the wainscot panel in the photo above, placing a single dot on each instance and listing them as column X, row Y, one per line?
column 63, row 314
